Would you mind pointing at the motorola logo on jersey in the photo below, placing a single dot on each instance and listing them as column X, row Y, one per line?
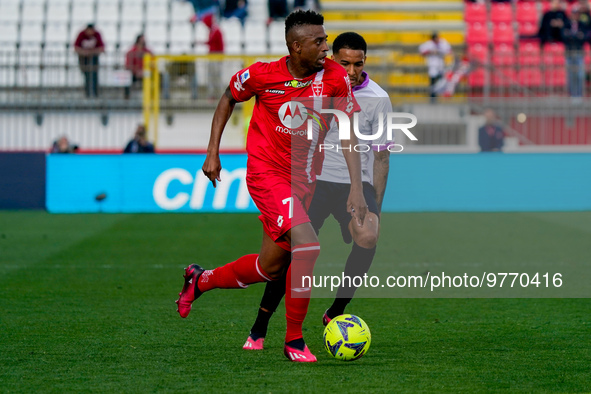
column 293, row 114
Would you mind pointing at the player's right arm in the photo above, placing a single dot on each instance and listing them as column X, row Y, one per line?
column 242, row 87
column 212, row 165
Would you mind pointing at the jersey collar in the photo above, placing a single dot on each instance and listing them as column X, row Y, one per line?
column 364, row 83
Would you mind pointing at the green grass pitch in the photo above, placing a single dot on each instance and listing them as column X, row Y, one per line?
column 87, row 305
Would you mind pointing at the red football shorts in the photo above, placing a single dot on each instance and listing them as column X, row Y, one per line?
column 283, row 204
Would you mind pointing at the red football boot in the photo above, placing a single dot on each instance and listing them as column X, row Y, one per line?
column 190, row 290
column 299, row 356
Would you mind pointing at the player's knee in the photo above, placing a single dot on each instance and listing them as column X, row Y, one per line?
column 367, row 240
column 275, row 272
column 367, row 235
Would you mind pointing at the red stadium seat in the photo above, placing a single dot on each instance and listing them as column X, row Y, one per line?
column 505, row 76
column 477, row 33
column 475, row 12
column 545, row 6
column 477, row 78
column 478, row 53
column 503, row 55
column 530, row 77
column 501, row 12
column 555, row 77
column 527, row 12
column 529, row 54
column 527, row 29
column 503, row 34
column 553, row 54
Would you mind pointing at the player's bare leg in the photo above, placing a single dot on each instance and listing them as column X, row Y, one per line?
column 367, row 234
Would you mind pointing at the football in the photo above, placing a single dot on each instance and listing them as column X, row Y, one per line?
column 347, row 337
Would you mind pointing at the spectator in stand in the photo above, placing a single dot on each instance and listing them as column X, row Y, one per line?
column 584, row 14
column 552, row 23
column 203, row 8
column 236, row 9
column 215, row 43
column 434, row 52
column 89, row 45
column 62, row 145
column 139, row 143
column 307, row 5
column 134, row 62
column 277, row 10
column 574, row 36
column 491, row 136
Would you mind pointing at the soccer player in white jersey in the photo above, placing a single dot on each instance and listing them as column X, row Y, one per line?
column 332, row 187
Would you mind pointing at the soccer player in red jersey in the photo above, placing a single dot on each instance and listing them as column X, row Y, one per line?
column 281, row 170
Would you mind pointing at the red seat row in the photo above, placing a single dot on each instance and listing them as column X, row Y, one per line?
column 502, row 12
column 527, row 77
column 528, row 54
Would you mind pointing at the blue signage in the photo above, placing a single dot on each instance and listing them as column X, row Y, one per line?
column 418, row 182
column 144, row 183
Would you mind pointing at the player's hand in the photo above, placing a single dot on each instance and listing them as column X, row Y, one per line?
column 212, row 168
column 357, row 206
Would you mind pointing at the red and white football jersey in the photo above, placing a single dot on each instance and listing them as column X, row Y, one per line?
column 277, row 135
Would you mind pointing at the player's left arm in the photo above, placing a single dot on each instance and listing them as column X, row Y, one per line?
column 356, row 204
column 381, row 164
column 345, row 101
column 381, row 168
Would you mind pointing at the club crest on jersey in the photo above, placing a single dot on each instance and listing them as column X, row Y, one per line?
column 317, row 88
column 298, row 84
column 244, row 76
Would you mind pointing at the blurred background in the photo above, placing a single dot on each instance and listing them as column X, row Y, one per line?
column 101, row 77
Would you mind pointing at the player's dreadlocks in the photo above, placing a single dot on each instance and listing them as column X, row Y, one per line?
column 300, row 18
column 349, row 40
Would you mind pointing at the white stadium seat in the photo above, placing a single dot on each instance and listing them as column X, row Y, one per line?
column 33, row 12
column 58, row 12
column 157, row 12
column 181, row 12
column 232, row 31
column 181, row 33
column 31, row 33
column 156, row 34
column 109, row 33
column 158, row 47
column 29, row 55
column 28, row 76
column 107, row 12
column 56, row 33
column 9, row 11
column 255, row 38
column 129, row 32
column 53, row 73
column 132, row 12
column 82, row 12
column 277, row 38
column 8, row 32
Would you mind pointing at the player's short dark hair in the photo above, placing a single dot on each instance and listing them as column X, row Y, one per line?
column 301, row 18
column 349, row 40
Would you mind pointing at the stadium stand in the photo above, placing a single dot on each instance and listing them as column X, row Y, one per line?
column 38, row 64
column 51, row 25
